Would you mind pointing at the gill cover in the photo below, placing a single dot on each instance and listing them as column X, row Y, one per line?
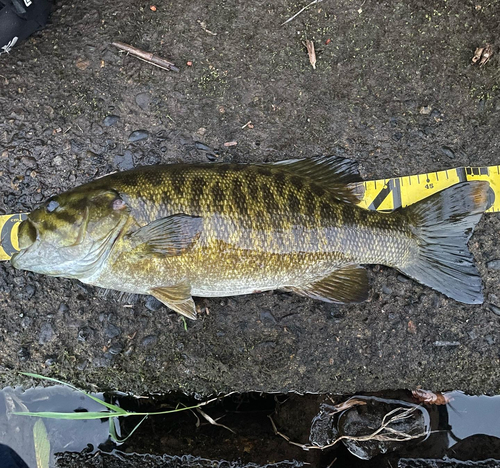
column 71, row 234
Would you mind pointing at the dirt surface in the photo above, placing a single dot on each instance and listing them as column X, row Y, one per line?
column 393, row 88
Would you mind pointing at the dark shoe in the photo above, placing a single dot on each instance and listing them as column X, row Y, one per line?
column 19, row 19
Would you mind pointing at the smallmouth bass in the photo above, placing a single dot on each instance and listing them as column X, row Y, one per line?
column 178, row 231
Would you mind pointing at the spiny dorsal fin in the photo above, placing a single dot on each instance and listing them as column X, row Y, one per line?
column 339, row 176
column 177, row 298
column 169, row 236
column 347, row 284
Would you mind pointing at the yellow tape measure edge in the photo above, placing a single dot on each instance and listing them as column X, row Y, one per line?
column 381, row 195
column 389, row 194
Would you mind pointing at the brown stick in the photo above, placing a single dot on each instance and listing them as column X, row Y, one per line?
column 146, row 56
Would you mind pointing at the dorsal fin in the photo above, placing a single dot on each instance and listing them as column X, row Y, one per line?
column 339, row 176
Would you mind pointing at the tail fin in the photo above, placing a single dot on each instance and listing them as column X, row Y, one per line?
column 443, row 224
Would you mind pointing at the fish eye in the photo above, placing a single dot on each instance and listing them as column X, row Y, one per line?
column 52, row 206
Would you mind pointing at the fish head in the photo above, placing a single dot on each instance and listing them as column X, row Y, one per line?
column 71, row 234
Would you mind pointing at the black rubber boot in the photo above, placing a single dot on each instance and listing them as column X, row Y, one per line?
column 19, row 19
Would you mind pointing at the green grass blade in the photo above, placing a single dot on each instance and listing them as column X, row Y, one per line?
column 50, row 379
column 74, row 416
column 42, row 445
column 114, row 435
column 110, row 406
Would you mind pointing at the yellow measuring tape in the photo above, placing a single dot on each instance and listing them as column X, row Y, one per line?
column 380, row 195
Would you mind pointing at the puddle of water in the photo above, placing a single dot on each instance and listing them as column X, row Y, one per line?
column 64, row 435
column 471, row 415
column 468, row 426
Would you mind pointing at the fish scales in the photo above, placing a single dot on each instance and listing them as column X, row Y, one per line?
column 269, row 226
column 226, row 229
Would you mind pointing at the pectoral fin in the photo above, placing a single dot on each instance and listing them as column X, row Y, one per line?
column 347, row 284
column 169, row 236
column 177, row 298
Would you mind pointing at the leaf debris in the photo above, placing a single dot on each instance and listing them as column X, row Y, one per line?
column 311, row 52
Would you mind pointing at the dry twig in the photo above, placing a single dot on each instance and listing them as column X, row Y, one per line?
column 212, row 420
column 300, row 11
column 384, row 433
column 204, row 27
column 146, row 56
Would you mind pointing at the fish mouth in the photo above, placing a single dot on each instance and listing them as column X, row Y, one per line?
column 26, row 238
column 27, row 234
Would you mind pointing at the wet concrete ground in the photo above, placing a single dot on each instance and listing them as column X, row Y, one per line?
column 394, row 89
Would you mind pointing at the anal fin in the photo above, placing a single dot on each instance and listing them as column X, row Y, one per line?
column 178, row 298
column 347, row 284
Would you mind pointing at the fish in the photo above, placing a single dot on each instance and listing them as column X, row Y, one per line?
column 213, row 230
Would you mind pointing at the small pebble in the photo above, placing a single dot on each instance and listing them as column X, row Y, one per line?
column 85, row 333
column 386, row 290
column 495, row 309
column 23, row 354
column 153, row 304
column 46, row 333
column 28, row 292
column 124, row 161
column 149, row 340
column 143, row 100
column 110, row 120
column 490, row 339
column 435, row 114
column 57, row 161
column 402, row 279
column 446, row 343
column 82, row 365
column 63, row 308
column 138, row 135
column 267, row 316
column 115, row 349
column 201, row 146
column 112, row 331
column 26, row 322
column 493, row 264
column 97, row 129
column 448, row 152
column 28, row 161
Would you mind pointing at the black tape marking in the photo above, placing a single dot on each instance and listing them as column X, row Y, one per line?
column 394, row 187
column 5, row 235
column 462, row 177
column 491, row 198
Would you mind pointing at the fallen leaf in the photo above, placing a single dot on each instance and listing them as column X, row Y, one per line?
column 431, row 398
column 482, row 54
column 42, row 444
column 82, row 64
column 311, row 52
